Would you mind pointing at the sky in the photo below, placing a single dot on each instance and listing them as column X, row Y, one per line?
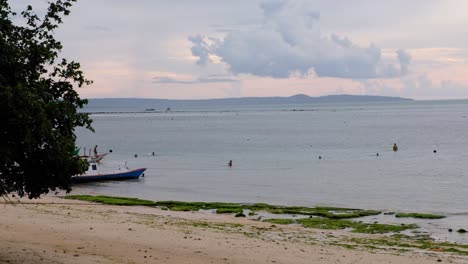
column 196, row 49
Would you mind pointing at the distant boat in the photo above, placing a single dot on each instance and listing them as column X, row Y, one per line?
column 93, row 174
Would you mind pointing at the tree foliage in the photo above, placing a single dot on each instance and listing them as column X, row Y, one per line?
column 38, row 103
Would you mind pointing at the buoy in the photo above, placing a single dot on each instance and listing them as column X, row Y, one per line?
column 110, row 150
column 435, row 151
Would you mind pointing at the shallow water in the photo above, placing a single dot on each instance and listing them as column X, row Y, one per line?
column 275, row 153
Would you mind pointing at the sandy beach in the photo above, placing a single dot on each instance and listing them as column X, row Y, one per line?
column 55, row 230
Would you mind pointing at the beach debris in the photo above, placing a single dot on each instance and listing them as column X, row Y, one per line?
column 450, row 230
column 240, row 215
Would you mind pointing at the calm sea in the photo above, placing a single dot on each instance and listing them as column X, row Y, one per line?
column 275, row 153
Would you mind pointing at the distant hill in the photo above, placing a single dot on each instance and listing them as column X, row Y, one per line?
column 140, row 104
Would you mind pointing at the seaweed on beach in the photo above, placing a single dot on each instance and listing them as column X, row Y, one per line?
column 339, row 224
column 327, row 212
column 419, row 215
column 111, row 200
column 235, row 208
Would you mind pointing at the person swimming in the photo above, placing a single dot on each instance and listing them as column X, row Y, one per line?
column 395, row 147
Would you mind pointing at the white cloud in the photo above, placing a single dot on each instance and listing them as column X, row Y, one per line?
column 207, row 79
column 405, row 60
column 289, row 42
column 423, row 87
column 417, row 86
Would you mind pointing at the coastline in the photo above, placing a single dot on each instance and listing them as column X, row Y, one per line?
column 55, row 230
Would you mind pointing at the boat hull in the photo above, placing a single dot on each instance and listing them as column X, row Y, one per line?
column 132, row 174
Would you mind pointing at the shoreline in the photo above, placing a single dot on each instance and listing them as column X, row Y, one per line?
column 55, row 230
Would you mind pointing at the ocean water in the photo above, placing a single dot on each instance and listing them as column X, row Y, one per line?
column 275, row 152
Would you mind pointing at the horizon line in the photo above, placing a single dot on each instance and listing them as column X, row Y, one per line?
column 245, row 97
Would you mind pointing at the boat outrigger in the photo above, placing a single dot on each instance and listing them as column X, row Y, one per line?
column 96, row 158
column 93, row 174
column 91, row 158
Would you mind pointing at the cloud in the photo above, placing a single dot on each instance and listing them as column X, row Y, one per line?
column 405, row 60
column 418, row 86
column 98, row 28
column 208, row 79
column 289, row 42
column 200, row 49
column 422, row 85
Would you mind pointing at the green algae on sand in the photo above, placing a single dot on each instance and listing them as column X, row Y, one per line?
column 326, row 212
column 339, row 224
column 419, row 215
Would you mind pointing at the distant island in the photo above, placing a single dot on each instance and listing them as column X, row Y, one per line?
column 143, row 104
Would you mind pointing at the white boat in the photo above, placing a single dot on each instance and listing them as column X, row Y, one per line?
column 93, row 174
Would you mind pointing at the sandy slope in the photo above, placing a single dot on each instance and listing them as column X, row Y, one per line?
column 54, row 230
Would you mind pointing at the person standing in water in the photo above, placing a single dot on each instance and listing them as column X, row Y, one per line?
column 230, row 163
column 395, row 147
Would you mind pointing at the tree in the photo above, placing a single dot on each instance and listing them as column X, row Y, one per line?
column 38, row 104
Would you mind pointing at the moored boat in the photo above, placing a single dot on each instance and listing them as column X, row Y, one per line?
column 93, row 174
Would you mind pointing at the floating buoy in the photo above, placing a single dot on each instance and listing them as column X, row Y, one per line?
column 110, row 150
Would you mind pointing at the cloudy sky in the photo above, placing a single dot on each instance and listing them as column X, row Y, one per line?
column 213, row 49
